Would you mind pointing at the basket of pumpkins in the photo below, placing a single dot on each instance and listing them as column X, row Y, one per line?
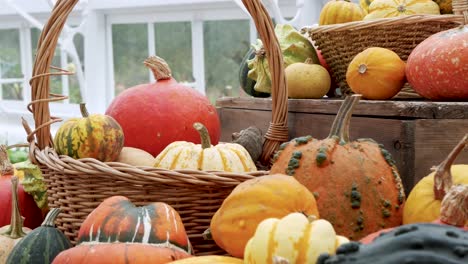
column 393, row 29
column 156, row 142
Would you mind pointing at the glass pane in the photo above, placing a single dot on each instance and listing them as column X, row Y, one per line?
column 56, row 81
column 74, row 86
column 10, row 56
column 174, row 44
column 12, row 91
column 226, row 43
column 130, row 47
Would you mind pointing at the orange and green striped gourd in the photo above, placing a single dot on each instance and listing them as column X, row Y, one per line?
column 95, row 136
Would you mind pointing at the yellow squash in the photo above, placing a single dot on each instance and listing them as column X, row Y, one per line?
column 365, row 5
column 424, row 201
column 230, row 157
column 294, row 239
column 251, row 202
column 340, row 11
column 395, row 8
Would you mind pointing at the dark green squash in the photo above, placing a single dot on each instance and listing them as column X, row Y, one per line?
column 426, row 243
column 246, row 83
column 42, row 244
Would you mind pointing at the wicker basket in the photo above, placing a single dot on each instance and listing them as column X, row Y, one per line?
column 339, row 43
column 78, row 186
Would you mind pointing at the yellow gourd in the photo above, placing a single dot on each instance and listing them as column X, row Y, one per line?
column 230, row 157
column 395, row 8
column 293, row 239
column 365, row 5
column 340, row 11
column 424, row 201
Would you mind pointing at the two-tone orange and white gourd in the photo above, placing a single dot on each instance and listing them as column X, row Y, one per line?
column 229, row 157
column 293, row 239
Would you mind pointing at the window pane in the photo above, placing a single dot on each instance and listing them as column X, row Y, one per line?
column 56, row 81
column 12, row 91
column 174, row 44
column 10, row 57
column 226, row 43
column 130, row 47
column 74, row 86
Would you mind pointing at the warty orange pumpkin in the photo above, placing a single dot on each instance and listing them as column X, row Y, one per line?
column 356, row 183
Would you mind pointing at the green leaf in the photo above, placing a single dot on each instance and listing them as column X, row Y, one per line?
column 33, row 183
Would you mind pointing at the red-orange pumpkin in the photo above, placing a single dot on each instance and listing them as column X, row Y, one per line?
column 119, row 253
column 28, row 207
column 116, row 219
column 356, row 183
column 437, row 68
column 154, row 115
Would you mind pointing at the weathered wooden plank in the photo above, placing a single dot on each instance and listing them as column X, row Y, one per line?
column 392, row 133
column 434, row 139
column 393, row 109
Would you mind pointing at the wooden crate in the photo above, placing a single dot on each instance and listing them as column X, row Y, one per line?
column 418, row 134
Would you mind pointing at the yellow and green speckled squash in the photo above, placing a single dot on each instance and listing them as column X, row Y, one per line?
column 340, row 11
column 396, row 8
column 92, row 136
column 365, row 5
column 230, row 157
column 445, row 6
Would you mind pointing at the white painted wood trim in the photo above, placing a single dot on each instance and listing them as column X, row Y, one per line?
column 198, row 55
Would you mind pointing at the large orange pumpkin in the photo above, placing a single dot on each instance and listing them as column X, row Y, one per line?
column 116, row 219
column 356, row 183
column 154, row 115
column 119, row 253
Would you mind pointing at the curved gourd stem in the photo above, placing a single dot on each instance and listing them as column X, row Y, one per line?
column 159, row 67
column 454, row 207
column 15, row 230
column 204, row 135
column 83, row 110
column 50, row 217
column 443, row 176
column 5, row 165
column 340, row 126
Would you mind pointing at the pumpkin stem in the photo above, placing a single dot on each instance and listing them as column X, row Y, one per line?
column 5, row 165
column 309, row 61
column 340, row 126
column 15, row 230
column 454, row 207
column 83, row 110
column 443, row 176
column 50, row 217
column 159, row 67
column 204, row 135
column 207, row 234
column 280, row 260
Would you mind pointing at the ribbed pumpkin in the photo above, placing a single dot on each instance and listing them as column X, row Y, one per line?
column 41, row 245
column 119, row 253
column 28, row 207
column 116, row 219
column 445, row 6
column 92, row 136
column 437, row 68
column 424, row 201
column 356, row 183
column 396, row 8
column 210, row 259
column 340, row 11
column 251, row 202
column 293, row 239
column 229, row 157
column 376, row 73
column 11, row 234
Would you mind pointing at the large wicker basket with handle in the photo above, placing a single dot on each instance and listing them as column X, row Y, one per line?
column 77, row 186
column 339, row 43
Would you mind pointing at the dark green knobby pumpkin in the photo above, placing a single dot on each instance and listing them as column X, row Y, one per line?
column 95, row 136
column 246, row 83
column 41, row 245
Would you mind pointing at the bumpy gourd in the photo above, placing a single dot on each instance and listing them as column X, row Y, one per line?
column 395, row 8
column 295, row 47
column 229, row 157
column 356, row 183
column 295, row 239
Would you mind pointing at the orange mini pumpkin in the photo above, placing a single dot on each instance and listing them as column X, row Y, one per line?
column 376, row 73
column 356, row 184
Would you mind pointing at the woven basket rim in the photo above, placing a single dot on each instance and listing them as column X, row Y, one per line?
column 365, row 24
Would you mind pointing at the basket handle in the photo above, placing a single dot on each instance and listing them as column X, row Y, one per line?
column 277, row 132
column 460, row 7
column 40, row 84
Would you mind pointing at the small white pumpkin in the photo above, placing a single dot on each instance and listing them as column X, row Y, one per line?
column 229, row 157
column 292, row 239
